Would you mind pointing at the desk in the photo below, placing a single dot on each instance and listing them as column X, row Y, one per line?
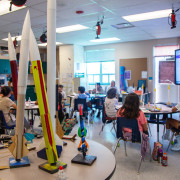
column 31, row 108
column 103, row 168
column 145, row 97
column 92, row 96
column 165, row 110
column 71, row 97
column 97, row 96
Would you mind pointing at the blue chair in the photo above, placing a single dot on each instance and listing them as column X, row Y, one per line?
column 132, row 124
column 4, row 124
column 84, row 106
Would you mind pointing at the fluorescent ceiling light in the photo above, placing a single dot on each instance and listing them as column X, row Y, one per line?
column 105, row 39
column 76, row 27
column 18, row 38
column 148, row 15
column 4, row 7
column 45, row 44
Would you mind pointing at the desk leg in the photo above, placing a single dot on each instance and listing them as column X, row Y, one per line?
column 32, row 113
column 157, row 127
column 28, row 114
column 70, row 101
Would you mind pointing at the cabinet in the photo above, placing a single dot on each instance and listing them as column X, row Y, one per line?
column 30, row 92
column 44, row 67
column 5, row 67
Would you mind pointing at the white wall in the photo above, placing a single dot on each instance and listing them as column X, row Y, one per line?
column 66, row 59
column 139, row 49
column 79, row 57
column 4, row 57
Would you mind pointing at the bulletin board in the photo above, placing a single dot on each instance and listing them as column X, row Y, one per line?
column 166, row 71
column 136, row 65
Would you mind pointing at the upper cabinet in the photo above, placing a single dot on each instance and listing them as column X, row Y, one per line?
column 5, row 66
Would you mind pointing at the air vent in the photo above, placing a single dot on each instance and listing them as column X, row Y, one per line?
column 122, row 25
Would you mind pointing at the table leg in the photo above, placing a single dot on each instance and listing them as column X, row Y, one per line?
column 157, row 127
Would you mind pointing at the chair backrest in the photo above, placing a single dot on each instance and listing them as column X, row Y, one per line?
column 122, row 122
column 3, row 121
column 2, row 127
column 79, row 101
column 104, row 115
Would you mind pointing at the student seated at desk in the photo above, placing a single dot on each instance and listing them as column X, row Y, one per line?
column 173, row 123
column 60, row 90
column 5, row 104
column 113, row 86
column 131, row 110
column 98, row 89
column 111, row 102
column 81, row 95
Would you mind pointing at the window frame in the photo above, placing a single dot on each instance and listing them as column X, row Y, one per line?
column 101, row 75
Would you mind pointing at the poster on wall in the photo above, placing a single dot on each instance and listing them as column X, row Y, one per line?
column 128, row 74
column 144, row 74
column 79, row 70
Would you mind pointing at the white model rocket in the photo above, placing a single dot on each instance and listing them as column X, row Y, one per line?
column 13, row 64
column 18, row 147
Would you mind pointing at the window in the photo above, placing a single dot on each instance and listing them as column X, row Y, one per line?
column 100, row 66
column 103, row 72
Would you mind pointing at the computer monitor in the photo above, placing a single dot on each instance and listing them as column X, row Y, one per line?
column 177, row 66
column 2, row 81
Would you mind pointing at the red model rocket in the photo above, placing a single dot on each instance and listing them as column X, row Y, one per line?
column 13, row 64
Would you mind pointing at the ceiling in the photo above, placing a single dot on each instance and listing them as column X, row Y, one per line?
column 112, row 10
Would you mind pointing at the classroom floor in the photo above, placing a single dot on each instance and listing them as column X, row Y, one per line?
column 126, row 167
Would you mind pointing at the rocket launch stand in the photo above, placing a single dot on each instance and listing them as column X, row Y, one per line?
column 52, row 168
column 83, row 158
column 13, row 163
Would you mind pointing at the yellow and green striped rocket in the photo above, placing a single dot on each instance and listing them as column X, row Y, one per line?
column 42, row 101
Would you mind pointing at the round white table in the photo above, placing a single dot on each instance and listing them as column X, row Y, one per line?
column 103, row 167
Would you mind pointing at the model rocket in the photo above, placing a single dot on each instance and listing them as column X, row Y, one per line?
column 18, row 147
column 51, row 151
column 83, row 145
column 154, row 98
column 13, row 64
column 168, row 103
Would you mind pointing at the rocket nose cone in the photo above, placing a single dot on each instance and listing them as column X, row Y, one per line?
column 11, row 50
column 34, row 50
column 9, row 36
column 27, row 25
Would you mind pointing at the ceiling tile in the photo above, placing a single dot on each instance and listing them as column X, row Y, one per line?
column 18, row 16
